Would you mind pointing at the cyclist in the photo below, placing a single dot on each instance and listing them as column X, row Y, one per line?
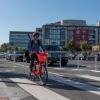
column 34, row 45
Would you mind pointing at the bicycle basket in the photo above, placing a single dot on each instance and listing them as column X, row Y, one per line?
column 42, row 57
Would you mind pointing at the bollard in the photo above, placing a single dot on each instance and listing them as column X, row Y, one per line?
column 23, row 58
column 60, row 61
column 14, row 57
column 95, row 62
column 78, row 63
column 46, row 63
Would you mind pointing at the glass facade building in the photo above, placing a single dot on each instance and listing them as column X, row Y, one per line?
column 19, row 39
column 54, row 35
column 62, row 34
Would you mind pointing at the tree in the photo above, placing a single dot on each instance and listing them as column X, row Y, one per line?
column 90, row 48
column 4, row 47
column 21, row 49
column 72, row 46
column 10, row 47
column 84, row 46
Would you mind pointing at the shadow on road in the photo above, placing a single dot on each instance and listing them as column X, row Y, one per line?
column 5, row 77
column 12, row 75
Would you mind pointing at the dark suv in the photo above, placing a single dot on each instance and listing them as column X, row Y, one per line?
column 55, row 55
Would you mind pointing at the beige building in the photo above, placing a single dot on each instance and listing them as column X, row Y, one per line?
column 96, row 48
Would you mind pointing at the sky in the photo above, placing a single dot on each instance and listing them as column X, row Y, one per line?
column 26, row 15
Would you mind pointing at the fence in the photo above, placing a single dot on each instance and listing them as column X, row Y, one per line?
column 90, row 61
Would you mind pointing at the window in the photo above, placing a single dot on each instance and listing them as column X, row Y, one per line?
column 62, row 43
column 47, row 34
column 62, row 34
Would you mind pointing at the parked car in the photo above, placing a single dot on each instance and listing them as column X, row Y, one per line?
column 71, row 56
column 17, row 56
column 8, row 55
column 80, row 57
column 92, row 57
column 2, row 55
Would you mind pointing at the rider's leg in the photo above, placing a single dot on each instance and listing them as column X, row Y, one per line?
column 31, row 62
column 33, row 59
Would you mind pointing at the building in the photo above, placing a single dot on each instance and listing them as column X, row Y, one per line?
column 19, row 38
column 83, row 33
column 96, row 48
column 61, row 32
column 71, row 22
column 54, row 35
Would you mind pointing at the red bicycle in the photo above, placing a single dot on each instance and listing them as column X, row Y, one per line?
column 40, row 74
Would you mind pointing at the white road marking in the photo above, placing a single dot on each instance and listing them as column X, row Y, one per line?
column 85, row 70
column 89, row 77
column 7, row 70
column 2, row 84
column 60, row 68
column 78, row 69
column 95, row 70
column 20, row 65
column 40, row 92
column 56, row 74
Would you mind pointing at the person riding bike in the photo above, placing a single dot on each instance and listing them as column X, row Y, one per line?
column 34, row 45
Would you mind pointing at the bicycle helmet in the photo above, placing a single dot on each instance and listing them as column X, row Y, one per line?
column 36, row 34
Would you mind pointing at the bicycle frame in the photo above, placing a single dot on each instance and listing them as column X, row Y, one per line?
column 42, row 58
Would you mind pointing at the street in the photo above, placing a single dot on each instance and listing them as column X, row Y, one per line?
column 66, row 83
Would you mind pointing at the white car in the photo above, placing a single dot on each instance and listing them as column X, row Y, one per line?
column 2, row 55
column 80, row 57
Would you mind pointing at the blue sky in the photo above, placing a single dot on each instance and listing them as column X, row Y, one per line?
column 26, row 15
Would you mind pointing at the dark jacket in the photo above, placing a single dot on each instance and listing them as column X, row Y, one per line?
column 35, row 46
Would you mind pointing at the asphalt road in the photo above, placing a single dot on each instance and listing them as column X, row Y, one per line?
column 66, row 83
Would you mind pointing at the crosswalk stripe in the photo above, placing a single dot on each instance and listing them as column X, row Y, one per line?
column 40, row 92
column 84, row 86
column 18, row 64
column 56, row 74
column 2, row 84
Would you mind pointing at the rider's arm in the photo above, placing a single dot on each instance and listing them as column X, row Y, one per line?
column 40, row 43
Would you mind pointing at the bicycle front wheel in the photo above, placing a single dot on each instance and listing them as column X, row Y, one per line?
column 43, row 77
